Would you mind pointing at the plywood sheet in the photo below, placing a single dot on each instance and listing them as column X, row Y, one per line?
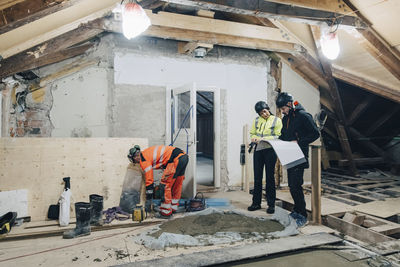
column 95, row 165
column 328, row 206
column 382, row 209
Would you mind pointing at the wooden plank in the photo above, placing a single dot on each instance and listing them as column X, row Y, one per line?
column 46, row 28
column 328, row 206
column 376, row 185
column 366, row 84
column 13, row 66
column 45, row 164
column 362, row 161
column 382, row 120
column 386, row 229
column 345, row 144
column 243, row 252
column 364, row 182
column 58, row 231
column 355, row 231
column 30, row 10
column 382, row 209
column 247, row 159
column 272, row 10
column 316, row 184
column 207, row 36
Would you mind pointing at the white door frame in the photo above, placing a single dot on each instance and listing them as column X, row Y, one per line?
column 217, row 127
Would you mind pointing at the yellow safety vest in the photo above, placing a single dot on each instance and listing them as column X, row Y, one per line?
column 266, row 129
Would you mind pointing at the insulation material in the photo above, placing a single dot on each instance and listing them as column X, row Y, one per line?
column 14, row 200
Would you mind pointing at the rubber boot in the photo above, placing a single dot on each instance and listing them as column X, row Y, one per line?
column 97, row 210
column 83, row 211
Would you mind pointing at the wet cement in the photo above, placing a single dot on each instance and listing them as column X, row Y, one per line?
column 210, row 224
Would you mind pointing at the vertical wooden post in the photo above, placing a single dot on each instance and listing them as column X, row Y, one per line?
column 316, row 183
column 247, row 158
column 244, row 165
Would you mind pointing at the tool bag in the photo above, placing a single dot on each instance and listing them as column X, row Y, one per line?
column 196, row 203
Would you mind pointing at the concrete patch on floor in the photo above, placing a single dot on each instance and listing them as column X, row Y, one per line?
column 216, row 226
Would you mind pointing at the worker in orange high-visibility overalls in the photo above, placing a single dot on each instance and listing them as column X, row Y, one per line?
column 174, row 161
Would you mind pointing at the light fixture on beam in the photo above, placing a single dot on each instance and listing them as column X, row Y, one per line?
column 134, row 19
column 329, row 42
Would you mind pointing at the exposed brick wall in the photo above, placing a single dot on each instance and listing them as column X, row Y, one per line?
column 28, row 116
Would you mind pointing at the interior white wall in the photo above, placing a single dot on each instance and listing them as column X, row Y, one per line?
column 80, row 103
column 308, row 97
column 302, row 91
column 245, row 84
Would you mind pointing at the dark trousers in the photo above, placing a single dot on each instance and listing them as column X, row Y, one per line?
column 295, row 180
column 182, row 164
column 267, row 158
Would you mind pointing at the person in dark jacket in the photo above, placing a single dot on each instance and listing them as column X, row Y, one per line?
column 299, row 127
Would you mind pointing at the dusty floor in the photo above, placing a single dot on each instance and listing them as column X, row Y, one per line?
column 314, row 258
column 107, row 248
column 213, row 223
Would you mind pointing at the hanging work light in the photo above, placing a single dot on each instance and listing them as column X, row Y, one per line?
column 134, row 20
column 329, row 42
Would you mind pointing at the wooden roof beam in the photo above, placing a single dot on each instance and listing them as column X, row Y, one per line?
column 365, row 84
column 30, row 10
column 210, row 31
column 35, row 57
column 273, row 10
column 341, row 124
column 12, row 67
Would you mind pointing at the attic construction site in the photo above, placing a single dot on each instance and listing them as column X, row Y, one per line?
column 199, row 133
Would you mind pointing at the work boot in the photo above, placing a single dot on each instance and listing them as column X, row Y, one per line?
column 271, row 210
column 254, row 207
column 97, row 210
column 82, row 211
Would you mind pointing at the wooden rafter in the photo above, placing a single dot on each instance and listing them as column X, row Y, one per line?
column 341, row 124
column 270, row 9
column 35, row 57
column 363, row 83
column 46, row 60
column 201, row 32
column 29, row 11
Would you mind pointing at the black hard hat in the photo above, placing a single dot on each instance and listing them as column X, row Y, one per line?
column 260, row 105
column 133, row 151
column 283, row 99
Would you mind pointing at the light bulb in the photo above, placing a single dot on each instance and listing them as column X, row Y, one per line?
column 134, row 20
column 330, row 44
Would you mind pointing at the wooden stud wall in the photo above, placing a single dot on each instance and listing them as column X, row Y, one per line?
column 95, row 165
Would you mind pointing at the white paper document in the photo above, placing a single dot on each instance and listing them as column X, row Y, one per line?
column 289, row 153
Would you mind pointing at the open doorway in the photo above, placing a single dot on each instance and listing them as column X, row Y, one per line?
column 205, row 138
column 186, row 105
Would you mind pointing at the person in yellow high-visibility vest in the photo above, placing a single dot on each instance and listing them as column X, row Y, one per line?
column 265, row 127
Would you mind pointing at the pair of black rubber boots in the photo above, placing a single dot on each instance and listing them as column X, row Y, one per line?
column 86, row 214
